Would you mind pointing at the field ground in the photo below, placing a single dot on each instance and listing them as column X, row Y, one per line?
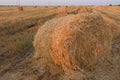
column 17, row 31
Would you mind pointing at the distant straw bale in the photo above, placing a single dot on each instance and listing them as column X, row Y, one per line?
column 35, row 6
column 62, row 11
column 20, row 8
column 85, row 9
column 72, row 43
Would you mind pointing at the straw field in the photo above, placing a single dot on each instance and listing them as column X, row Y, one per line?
column 60, row 43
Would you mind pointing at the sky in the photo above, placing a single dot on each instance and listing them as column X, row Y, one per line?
column 59, row 2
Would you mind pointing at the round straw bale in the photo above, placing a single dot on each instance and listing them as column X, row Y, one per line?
column 73, row 42
column 85, row 9
column 62, row 11
column 20, row 8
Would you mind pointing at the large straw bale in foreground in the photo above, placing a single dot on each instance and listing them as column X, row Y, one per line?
column 73, row 42
column 62, row 11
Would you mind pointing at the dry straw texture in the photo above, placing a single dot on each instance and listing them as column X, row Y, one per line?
column 62, row 11
column 73, row 42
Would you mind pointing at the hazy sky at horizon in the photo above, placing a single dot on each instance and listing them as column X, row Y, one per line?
column 59, row 2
